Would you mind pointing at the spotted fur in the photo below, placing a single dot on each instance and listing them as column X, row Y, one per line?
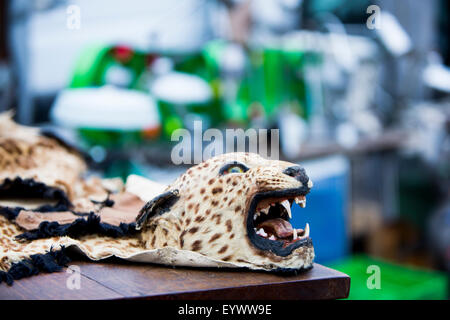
column 216, row 226
column 191, row 231
column 198, row 220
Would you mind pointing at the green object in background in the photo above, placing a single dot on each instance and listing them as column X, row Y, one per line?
column 99, row 65
column 112, row 139
column 272, row 77
column 206, row 64
column 122, row 168
column 276, row 79
column 396, row 282
column 182, row 99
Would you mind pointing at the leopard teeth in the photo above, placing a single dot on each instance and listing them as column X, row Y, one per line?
column 300, row 202
column 265, row 210
column 306, row 233
column 261, row 232
column 287, row 206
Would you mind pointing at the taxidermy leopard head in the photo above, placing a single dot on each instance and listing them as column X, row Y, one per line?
column 233, row 208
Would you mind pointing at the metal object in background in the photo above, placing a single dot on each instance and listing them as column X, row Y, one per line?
column 5, row 87
column 6, row 90
column 19, row 14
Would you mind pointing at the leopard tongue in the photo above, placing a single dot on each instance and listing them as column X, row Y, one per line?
column 279, row 227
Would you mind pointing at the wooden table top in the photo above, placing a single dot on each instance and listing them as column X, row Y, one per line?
column 124, row 280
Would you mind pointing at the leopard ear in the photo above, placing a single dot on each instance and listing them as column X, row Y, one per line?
column 157, row 206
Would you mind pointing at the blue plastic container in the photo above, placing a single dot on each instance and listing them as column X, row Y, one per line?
column 327, row 208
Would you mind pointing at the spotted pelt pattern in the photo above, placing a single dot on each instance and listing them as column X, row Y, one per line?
column 208, row 219
column 210, row 216
column 95, row 247
column 27, row 154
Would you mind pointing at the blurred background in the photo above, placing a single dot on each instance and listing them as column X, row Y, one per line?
column 360, row 91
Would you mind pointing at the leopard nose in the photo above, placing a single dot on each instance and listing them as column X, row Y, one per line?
column 298, row 173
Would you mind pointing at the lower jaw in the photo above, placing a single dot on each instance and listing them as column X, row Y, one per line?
column 300, row 260
column 279, row 247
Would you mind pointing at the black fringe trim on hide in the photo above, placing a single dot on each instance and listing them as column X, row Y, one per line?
column 11, row 213
column 51, row 261
column 18, row 188
column 78, row 228
column 105, row 203
column 108, row 202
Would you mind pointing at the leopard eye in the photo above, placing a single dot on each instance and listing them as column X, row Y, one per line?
column 234, row 167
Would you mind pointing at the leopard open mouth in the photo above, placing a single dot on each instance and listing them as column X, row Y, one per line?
column 268, row 225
